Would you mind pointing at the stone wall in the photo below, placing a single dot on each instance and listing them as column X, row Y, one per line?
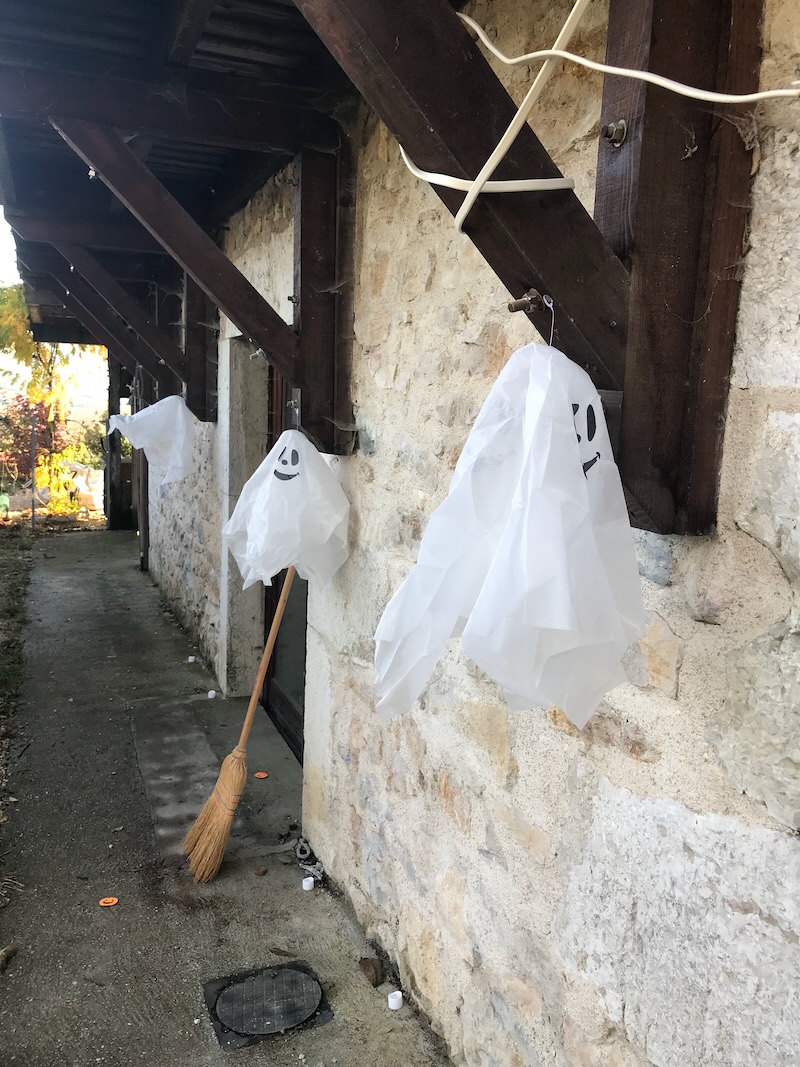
column 614, row 897
column 201, row 582
column 624, row 895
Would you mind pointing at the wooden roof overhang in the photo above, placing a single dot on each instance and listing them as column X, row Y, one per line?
column 184, row 109
column 195, row 104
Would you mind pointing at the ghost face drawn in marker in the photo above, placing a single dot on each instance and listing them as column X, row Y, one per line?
column 591, row 430
column 289, row 464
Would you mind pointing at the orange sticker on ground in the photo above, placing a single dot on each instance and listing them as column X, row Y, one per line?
column 108, row 902
column 261, row 774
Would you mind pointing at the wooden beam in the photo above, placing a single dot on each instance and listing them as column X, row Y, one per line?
column 68, row 331
column 8, row 190
column 653, row 204
column 189, row 22
column 98, row 317
column 113, row 474
column 148, row 200
column 35, row 94
column 195, row 313
column 132, row 268
column 725, row 225
column 420, row 70
column 46, row 227
column 315, row 295
column 126, row 307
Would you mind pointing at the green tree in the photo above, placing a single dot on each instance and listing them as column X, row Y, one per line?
column 45, row 401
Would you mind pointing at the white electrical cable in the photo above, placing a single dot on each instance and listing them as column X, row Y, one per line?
column 521, row 117
column 481, row 183
column 625, row 72
column 518, row 185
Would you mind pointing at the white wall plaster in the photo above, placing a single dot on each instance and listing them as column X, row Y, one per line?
column 689, row 927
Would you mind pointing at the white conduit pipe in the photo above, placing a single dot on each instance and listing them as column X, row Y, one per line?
column 517, row 185
column 525, row 108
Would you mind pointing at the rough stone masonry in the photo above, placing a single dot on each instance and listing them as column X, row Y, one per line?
column 617, row 897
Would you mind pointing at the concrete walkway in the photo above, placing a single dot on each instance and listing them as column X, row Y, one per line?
column 124, row 745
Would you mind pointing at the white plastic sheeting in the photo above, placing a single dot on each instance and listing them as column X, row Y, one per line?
column 529, row 558
column 292, row 511
column 165, row 431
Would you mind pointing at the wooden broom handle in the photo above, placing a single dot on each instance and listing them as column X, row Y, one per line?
column 262, row 669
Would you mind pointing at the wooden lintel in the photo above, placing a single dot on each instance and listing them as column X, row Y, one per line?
column 315, row 292
column 672, row 200
column 423, row 74
column 48, row 227
column 36, row 93
column 126, row 307
column 188, row 23
column 147, row 199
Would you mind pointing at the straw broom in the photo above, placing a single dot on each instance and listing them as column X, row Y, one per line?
column 207, row 839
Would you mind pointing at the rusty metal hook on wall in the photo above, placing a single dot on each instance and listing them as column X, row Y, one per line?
column 530, row 301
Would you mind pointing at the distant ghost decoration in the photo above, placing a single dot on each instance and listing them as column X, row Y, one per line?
column 529, row 558
column 288, row 468
column 291, row 511
column 165, row 430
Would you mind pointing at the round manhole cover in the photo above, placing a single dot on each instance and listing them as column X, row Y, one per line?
column 268, row 1002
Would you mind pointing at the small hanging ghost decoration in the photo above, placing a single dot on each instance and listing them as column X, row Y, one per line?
column 165, row 431
column 291, row 511
column 529, row 558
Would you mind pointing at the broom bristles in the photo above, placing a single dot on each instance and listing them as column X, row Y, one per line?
column 207, row 838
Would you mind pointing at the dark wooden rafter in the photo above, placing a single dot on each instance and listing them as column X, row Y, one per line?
column 131, row 269
column 128, row 308
column 426, row 78
column 35, row 94
column 315, row 292
column 68, row 332
column 54, row 226
column 109, row 329
column 189, row 19
column 672, row 200
column 148, row 200
column 8, row 191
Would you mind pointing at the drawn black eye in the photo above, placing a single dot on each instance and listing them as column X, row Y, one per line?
column 296, row 457
column 575, row 408
column 591, row 423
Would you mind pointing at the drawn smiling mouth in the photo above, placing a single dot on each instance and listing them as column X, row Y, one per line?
column 590, row 463
column 285, row 477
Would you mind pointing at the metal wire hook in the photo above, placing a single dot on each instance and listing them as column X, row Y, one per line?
column 548, row 303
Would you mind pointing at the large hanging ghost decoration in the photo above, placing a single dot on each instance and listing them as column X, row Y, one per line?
column 292, row 511
column 529, row 558
column 165, row 431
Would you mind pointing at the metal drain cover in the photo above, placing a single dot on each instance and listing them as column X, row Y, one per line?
column 269, row 1001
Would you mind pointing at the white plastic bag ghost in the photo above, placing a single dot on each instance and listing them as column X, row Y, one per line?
column 165, row 431
column 529, row 558
column 291, row 511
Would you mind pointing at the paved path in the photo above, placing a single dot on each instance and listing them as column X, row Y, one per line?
column 123, row 743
